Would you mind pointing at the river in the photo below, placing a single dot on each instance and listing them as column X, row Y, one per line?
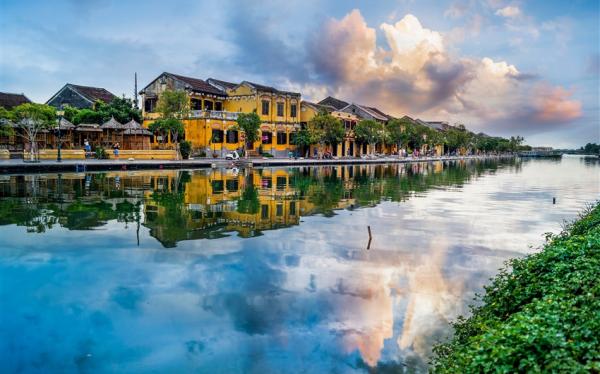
column 264, row 270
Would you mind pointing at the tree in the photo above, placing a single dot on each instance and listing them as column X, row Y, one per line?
column 121, row 109
column 6, row 118
column 303, row 139
column 86, row 116
column 433, row 137
column 398, row 132
column 249, row 123
column 515, row 142
column 173, row 105
column 370, row 132
column 457, row 137
column 326, row 129
column 166, row 127
column 32, row 118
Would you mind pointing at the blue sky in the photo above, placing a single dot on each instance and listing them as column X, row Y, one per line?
column 498, row 66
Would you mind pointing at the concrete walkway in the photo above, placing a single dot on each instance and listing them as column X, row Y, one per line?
column 19, row 166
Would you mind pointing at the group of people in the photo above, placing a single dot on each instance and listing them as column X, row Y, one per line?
column 88, row 149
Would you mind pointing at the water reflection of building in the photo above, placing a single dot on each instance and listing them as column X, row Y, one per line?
column 182, row 205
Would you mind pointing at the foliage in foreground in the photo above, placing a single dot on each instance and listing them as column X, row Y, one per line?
column 543, row 316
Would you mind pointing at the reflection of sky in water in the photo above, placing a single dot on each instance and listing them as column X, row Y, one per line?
column 307, row 298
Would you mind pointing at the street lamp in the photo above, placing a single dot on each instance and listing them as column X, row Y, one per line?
column 60, row 114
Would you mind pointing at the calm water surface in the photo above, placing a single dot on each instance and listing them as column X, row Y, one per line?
column 266, row 270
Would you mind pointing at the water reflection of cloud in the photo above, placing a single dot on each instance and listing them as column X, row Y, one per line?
column 306, row 298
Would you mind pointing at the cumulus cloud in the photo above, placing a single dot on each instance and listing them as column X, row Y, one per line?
column 509, row 12
column 415, row 74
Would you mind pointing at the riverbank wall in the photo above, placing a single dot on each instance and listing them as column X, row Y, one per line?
column 19, row 166
column 539, row 314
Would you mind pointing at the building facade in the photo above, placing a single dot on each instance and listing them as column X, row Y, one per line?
column 211, row 125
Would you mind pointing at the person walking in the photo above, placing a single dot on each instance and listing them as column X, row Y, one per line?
column 116, row 150
column 87, row 148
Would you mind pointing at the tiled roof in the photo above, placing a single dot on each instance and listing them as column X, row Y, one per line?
column 11, row 100
column 380, row 112
column 332, row 101
column 221, row 84
column 263, row 88
column 93, row 93
column 319, row 107
column 198, row 85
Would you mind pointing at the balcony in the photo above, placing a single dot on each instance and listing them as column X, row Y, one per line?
column 214, row 114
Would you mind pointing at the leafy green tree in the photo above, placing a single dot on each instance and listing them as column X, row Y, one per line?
column 249, row 123
column 70, row 113
column 32, row 118
column 457, row 137
column 173, row 104
column 303, row 140
column 121, row 109
column 370, row 132
column 417, row 135
column 398, row 132
column 515, row 142
column 6, row 117
column 87, row 116
column 326, row 129
column 433, row 137
column 591, row 148
column 167, row 127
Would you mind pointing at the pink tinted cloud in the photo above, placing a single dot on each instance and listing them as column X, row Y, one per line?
column 554, row 104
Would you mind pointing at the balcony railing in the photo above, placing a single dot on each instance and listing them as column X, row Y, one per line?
column 214, row 114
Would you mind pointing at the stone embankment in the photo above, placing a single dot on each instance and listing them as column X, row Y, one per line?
column 19, row 166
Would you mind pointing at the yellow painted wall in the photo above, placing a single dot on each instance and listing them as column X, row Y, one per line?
column 154, row 154
column 51, row 154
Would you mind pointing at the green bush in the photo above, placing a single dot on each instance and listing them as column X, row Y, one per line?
column 540, row 314
column 185, row 148
column 268, row 155
column 101, row 153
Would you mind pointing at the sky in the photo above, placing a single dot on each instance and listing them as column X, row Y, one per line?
column 502, row 67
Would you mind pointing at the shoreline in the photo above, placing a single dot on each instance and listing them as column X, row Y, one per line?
column 19, row 166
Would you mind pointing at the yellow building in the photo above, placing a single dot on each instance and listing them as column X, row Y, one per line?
column 214, row 108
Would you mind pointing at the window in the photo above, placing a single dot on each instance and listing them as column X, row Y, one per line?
column 265, row 183
column 264, row 211
column 279, row 210
column 232, row 184
column 279, row 109
column 281, row 137
column 217, row 186
column 208, row 105
column 232, row 136
column 196, row 104
column 217, row 136
column 149, row 105
column 265, row 107
column 267, row 137
column 281, row 182
column 219, row 106
column 293, row 110
column 292, row 208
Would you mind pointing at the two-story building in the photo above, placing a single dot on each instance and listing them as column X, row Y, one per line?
column 214, row 108
column 349, row 114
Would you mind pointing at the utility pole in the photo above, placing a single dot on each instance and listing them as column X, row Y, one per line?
column 135, row 92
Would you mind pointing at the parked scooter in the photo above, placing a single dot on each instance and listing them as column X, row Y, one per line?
column 232, row 156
